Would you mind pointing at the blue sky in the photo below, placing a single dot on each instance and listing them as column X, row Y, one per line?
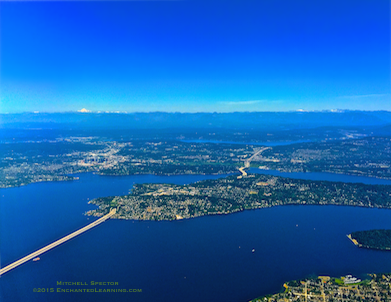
column 193, row 56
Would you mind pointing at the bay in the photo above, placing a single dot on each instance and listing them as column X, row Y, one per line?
column 203, row 259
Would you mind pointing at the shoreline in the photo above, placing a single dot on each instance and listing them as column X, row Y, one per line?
column 356, row 243
column 173, row 174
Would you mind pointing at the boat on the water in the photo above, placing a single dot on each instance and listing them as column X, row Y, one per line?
column 36, row 259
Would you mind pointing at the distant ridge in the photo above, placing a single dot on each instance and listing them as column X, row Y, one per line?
column 159, row 120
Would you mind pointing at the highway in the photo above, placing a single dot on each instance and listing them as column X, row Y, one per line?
column 56, row 243
column 247, row 162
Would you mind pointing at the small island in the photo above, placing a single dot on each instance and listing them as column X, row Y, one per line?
column 372, row 239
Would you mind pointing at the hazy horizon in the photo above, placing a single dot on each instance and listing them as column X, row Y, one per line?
column 195, row 112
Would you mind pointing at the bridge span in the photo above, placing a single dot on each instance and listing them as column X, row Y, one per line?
column 248, row 161
column 56, row 243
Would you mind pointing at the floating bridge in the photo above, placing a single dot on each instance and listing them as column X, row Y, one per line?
column 56, row 243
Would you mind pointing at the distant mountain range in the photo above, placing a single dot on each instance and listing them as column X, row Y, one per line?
column 160, row 120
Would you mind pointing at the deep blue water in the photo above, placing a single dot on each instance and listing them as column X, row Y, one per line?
column 203, row 259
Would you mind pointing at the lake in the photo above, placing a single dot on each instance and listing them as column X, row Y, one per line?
column 203, row 259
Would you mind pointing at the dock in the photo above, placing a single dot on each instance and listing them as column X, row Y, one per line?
column 56, row 243
column 353, row 240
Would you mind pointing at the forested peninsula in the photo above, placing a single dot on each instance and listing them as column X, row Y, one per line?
column 372, row 239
